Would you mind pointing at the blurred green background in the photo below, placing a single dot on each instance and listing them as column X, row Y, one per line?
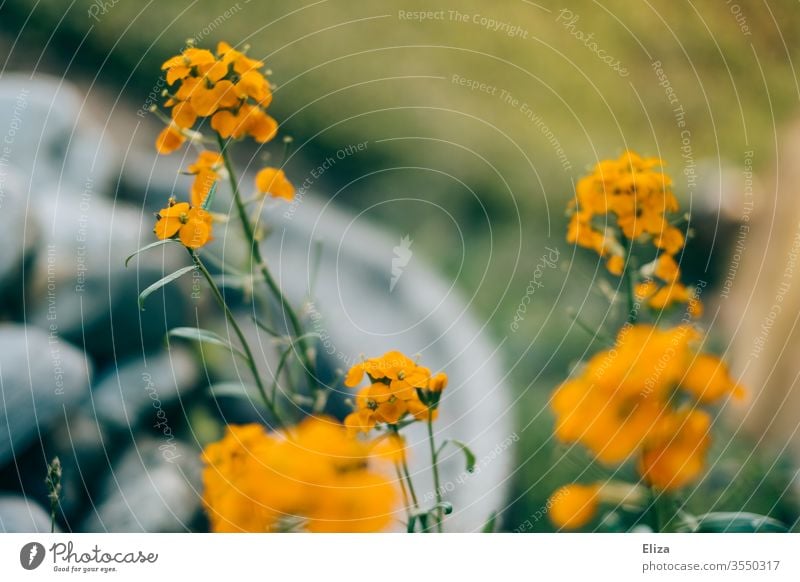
column 500, row 161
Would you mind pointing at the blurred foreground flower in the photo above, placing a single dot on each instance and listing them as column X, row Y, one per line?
column 313, row 478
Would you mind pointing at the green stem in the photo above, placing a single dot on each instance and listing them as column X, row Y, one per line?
column 629, row 275
column 435, row 469
column 662, row 510
column 406, row 472
column 403, row 489
column 255, row 255
column 251, row 362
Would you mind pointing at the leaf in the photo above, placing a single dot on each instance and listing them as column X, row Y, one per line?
column 207, row 202
column 162, row 282
column 490, row 524
column 153, row 245
column 204, row 336
column 468, row 454
column 738, row 522
column 235, row 390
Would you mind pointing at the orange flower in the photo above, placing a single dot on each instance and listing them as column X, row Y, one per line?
column 206, row 100
column 708, row 380
column 247, row 120
column 273, row 181
column 674, row 454
column 573, row 506
column 253, row 84
column 181, row 66
column 241, row 63
column 192, row 225
column 317, row 479
column 169, row 140
column 399, row 387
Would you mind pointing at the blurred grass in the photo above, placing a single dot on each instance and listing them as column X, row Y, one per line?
column 355, row 71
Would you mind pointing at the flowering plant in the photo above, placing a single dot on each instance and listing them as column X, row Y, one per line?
column 645, row 397
column 305, row 471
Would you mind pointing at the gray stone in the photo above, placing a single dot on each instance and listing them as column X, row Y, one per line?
column 18, row 229
column 41, row 377
column 153, row 488
column 141, row 386
column 83, row 286
column 51, row 135
column 18, row 515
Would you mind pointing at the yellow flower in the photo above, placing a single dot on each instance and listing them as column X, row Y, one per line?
column 573, row 506
column 273, row 181
column 629, row 196
column 207, row 99
column 438, row 382
column 181, row 66
column 255, row 481
column 241, row 62
column 206, row 172
column 253, row 84
column 674, row 454
column 708, row 380
column 399, row 387
column 615, row 265
column 192, row 225
column 169, row 140
column 247, row 120
column 622, row 403
column 227, row 87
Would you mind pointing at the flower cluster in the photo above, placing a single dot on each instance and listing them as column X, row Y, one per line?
column 398, row 387
column 625, row 201
column 313, row 478
column 191, row 224
column 227, row 86
column 642, row 398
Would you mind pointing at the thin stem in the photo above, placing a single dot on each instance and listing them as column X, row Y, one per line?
column 406, row 503
column 407, row 473
column 255, row 254
column 661, row 503
column 410, row 484
column 251, row 362
column 435, row 469
column 629, row 274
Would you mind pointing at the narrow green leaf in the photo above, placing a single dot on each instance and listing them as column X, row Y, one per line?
column 153, row 245
column 469, row 456
column 490, row 524
column 162, row 282
column 203, row 336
